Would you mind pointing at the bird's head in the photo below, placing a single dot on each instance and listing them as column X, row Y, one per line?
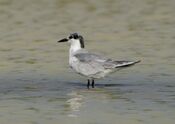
column 74, row 39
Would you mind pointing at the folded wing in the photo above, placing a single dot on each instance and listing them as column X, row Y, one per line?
column 101, row 61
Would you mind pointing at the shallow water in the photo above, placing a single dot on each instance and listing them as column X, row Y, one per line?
column 37, row 86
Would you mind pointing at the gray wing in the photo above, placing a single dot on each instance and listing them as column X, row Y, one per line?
column 89, row 57
column 101, row 61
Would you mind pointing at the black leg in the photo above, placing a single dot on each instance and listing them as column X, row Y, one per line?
column 88, row 83
column 93, row 83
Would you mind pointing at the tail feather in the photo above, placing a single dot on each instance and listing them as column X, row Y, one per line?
column 125, row 63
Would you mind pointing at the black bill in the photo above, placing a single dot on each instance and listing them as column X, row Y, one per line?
column 63, row 40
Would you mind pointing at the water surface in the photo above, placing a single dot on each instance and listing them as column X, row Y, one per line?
column 37, row 86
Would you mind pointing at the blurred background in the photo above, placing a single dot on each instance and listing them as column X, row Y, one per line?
column 37, row 86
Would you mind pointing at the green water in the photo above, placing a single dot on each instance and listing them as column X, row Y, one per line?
column 37, row 86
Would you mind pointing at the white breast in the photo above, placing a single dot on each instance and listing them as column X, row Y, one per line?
column 75, row 46
column 73, row 63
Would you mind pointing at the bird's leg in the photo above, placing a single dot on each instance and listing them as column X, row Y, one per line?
column 88, row 83
column 93, row 83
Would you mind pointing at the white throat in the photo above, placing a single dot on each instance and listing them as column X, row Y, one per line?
column 75, row 45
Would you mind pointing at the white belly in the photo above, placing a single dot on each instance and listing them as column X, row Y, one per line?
column 87, row 69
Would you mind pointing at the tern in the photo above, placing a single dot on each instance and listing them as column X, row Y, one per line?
column 91, row 65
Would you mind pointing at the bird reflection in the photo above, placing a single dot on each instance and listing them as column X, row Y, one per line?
column 79, row 99
column 74, row 103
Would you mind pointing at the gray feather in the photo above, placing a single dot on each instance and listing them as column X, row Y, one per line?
column 100, row 61
column 95, row 59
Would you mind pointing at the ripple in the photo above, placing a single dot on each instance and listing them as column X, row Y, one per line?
column 31, row 61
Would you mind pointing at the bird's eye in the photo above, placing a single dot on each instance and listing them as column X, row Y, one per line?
column 70, row 37
column 75, row 36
